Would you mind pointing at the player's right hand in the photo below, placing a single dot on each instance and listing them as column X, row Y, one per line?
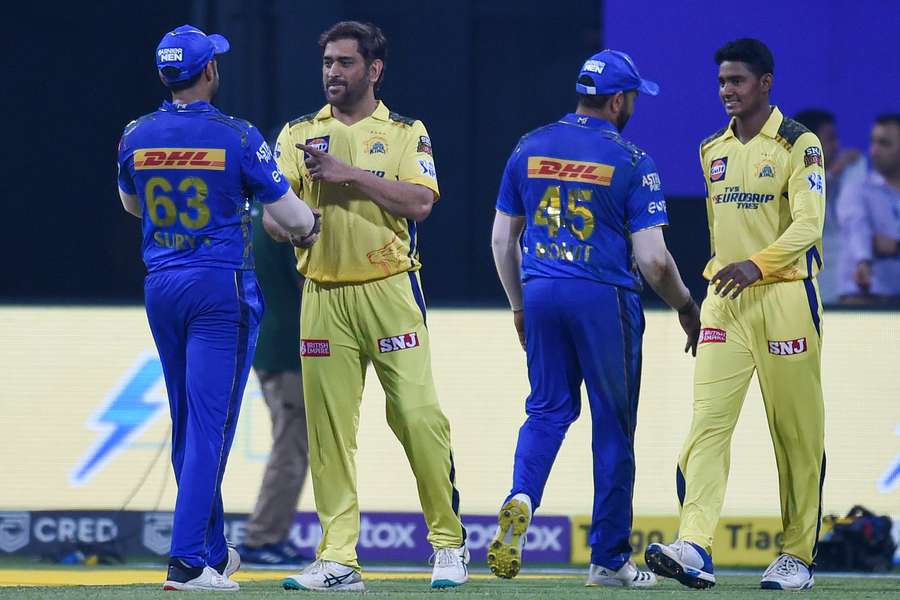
column 690, row 323
column 519, row 321
column 312, row 237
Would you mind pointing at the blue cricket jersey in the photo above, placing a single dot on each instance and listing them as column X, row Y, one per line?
column 583, row 190
column 194, row 169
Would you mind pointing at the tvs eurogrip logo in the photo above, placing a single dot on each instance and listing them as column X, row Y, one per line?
column 207, row 159
column 545, row 167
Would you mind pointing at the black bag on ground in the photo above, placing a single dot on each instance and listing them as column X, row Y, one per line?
column 861, row 541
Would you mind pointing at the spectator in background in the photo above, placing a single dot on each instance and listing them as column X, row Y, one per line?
column 843, row 167
column 277, row 365
column 869, row 214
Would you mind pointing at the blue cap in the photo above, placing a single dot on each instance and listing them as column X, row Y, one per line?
column 189, row 50
column 612, row 71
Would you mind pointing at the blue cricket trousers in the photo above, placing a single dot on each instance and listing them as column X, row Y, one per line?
column 581, row 330
column 205, row 323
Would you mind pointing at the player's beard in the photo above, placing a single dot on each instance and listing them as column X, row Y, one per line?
column 352, row 94
column 622, row 120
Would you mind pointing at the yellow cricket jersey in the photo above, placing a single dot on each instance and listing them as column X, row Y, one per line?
column 359, row 241
column 765, row 199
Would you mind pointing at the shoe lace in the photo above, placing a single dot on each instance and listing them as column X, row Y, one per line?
column 787, row 566
column 444, row 557
column 314, row 567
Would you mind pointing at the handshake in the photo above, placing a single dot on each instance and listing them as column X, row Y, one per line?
column 280, row 234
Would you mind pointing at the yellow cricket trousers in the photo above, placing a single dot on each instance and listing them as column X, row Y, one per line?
column 343, row 327
column 775, row 330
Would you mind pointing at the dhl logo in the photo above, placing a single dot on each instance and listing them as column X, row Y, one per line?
column 210, row 159
column 544, row 167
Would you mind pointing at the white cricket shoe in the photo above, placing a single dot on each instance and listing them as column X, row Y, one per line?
column 209, row 580
column 325, row 576
column 628, row 576
column 787, row 573
column 232, row 563
column 686, row 562
column 450, row 567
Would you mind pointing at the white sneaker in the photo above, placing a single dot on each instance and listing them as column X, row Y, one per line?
column 325, row 576
column 504, row 555
column 450, row 568
column 628, row 576
column 787, row 573
column 233, row 564
column 209, row 580
column 683, row 561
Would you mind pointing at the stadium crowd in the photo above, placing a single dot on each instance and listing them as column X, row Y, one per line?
column 861, row 241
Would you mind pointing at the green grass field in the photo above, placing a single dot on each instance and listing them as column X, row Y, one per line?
column 730, row 587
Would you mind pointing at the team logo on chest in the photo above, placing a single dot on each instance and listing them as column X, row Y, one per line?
column 766, row 168
column 376, row 145
column 717, row 169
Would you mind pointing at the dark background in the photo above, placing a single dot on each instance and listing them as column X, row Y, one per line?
column 478, row 73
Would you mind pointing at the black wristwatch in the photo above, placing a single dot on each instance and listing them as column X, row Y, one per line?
column 317, row 225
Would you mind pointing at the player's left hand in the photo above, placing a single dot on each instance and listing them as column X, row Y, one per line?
column 325, row 167
column 735, row 278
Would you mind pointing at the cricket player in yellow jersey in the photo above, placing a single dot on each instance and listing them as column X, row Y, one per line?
column 766, row 204
column 371, row 174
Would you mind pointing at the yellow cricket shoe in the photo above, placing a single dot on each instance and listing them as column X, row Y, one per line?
column 504, row 555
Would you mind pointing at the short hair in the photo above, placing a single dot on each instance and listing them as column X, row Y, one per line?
column 369, row 38
column 180, row 85
column 814, row 118
column 751, row 51
column 592, row 101
column 887, row 118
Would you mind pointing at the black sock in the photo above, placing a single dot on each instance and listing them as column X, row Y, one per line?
column 221, row 566
column 181, row 572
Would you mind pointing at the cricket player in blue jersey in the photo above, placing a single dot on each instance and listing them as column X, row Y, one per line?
column 591, row 206
column 187, row 171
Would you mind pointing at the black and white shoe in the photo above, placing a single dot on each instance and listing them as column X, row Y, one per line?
column 183, row 578
column 628, row 576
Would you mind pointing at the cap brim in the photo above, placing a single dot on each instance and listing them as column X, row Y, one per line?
column 220, row 44
column 649, row 88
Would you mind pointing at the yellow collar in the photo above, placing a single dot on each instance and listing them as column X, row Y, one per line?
column 770, row 127
column 381, row 113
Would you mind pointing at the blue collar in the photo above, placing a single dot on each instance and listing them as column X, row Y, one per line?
column 198, row 106
column 587, row 121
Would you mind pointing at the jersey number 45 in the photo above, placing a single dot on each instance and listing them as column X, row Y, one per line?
column 577, row 217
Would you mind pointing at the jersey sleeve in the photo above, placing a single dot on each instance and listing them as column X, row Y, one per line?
column 710, row 213
column 289, row 160
column 806, row 197
column 259, row 170
column 417, row 162
column 645, row 206
column 509, row 198
column 126, row 183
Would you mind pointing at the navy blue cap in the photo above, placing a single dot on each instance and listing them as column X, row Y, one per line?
column 189, row 50
column 612, row 71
